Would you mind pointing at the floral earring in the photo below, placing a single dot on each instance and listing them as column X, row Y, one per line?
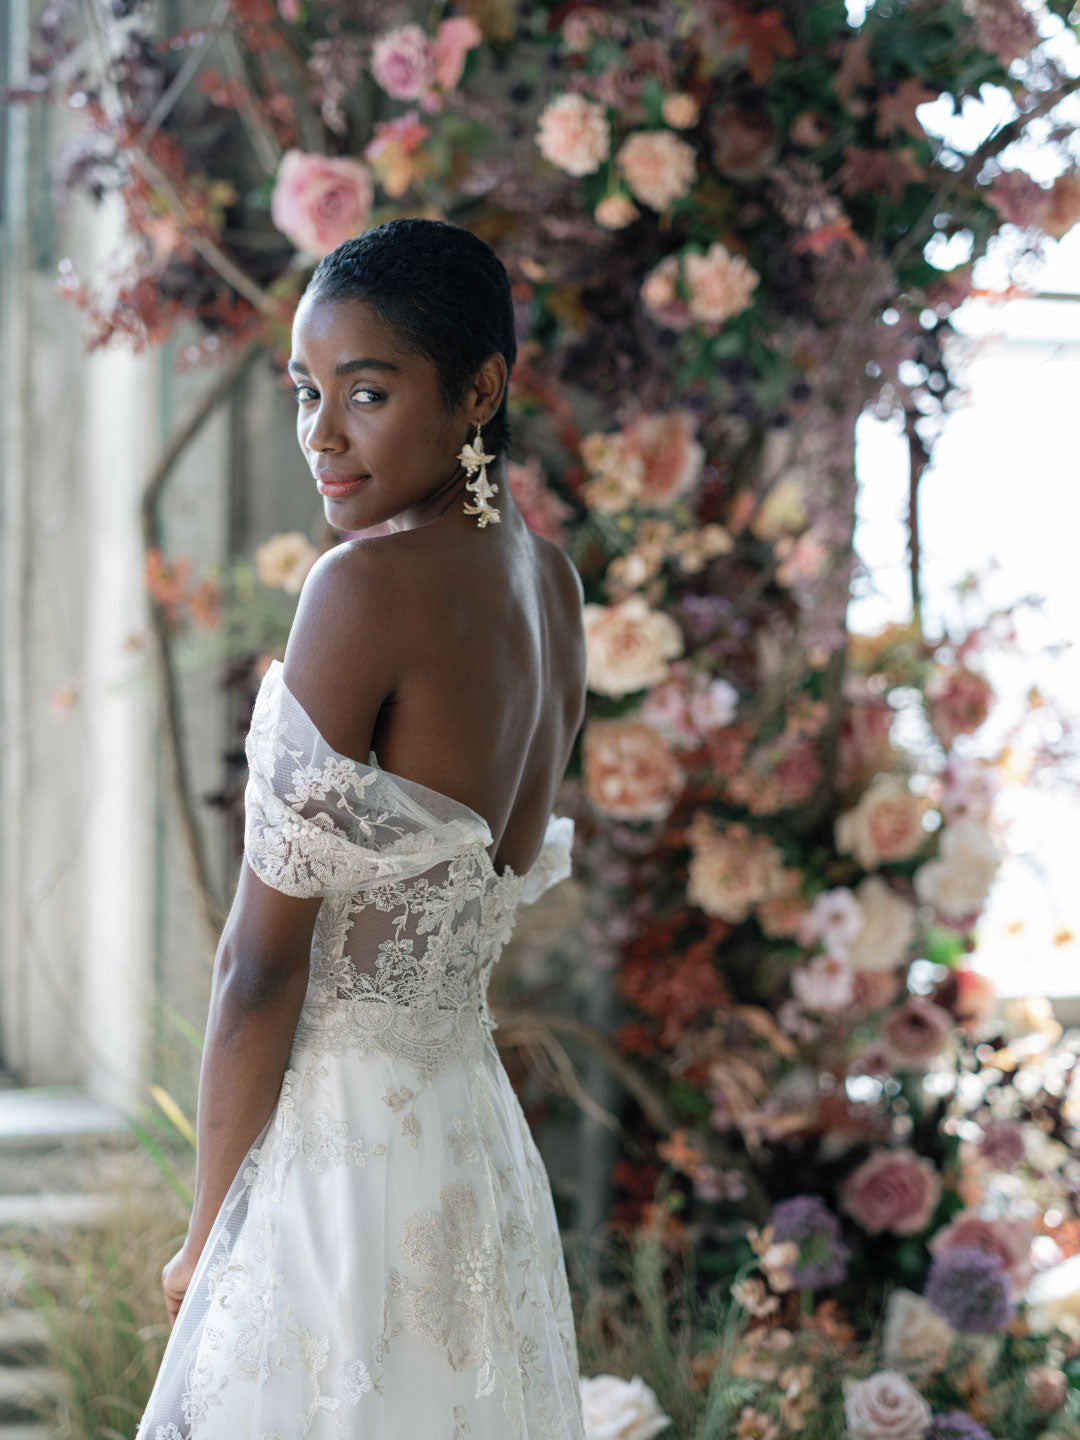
column 474, row 459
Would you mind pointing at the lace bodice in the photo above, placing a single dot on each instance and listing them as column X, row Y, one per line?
column 414, row 913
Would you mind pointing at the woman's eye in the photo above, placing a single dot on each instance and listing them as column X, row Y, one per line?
column 304, row 393
column 373, row 395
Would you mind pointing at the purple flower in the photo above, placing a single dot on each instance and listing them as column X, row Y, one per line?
column 823, row 1256
column 955, row 1426
column 971, row 1289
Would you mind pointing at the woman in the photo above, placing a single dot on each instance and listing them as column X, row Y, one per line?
column 373, row 1251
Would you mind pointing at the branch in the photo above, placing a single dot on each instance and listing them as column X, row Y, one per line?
column 918, row 459
column 153, row 492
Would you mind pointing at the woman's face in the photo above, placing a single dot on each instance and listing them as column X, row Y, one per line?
column 370, row 418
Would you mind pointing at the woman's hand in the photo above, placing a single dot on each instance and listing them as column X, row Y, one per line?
column 175, row 1279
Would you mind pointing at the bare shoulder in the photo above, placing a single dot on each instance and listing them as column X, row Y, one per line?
column 562, row 569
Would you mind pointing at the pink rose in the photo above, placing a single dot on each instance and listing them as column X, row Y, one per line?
column 454, row 38
column 915, row 1032
column 1002, row 1143
column 671, row 456
column 630, row 772
column 318, row 202
column 894, row 1190
column 1009, row 1240
column 959, row 701
column 402, row 63
column 542, row 510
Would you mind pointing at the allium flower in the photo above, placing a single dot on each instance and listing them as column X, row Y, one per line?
column 574, row 134
column 885, row 1406
column 658, row 167
column 1008, row 1240
column 971, row 1289
column 402, row 63
column 719, row 284
column 809, row 1223
column 956, row 1426
column 318, row 202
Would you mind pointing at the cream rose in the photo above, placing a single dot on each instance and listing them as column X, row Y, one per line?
column 893, row 1190
column 885, row 825
column 630, row 771
column 318, row 202
column 957, row 883
column 1053, row 1299
column 885, row 1407
column 617, row 1409
column 732, row 871
column 628, row 646
column 915, row 1337
column 887, row 929
column 657, row 166
column 574, row 134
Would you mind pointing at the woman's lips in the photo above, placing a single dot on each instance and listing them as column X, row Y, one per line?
column 335, row 487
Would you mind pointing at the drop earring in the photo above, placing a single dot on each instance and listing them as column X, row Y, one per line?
column 473, row 458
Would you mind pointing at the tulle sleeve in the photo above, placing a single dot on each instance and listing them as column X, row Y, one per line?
column 553, row 863
column 318, row 823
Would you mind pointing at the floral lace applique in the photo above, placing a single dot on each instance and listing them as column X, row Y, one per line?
column 402, row 1100
column 461, row 1139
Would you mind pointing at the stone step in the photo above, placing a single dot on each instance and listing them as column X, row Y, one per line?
column 24, row 1389
column 54, row 1115
column 52, row 1212
column 22, row 1331
column 16, row 1430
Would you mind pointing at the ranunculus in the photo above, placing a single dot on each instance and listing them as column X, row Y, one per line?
column 630, row 772
column 915, row 1033
column 886, row 1406
column 283, row 561
column 719, row 284
column 958, row 881
column 885, row 825
column 615, row 212
column 660, row 295
column 454, row 38
column 893, row 1189
column 574, row 134
column 680, row 110
column 1053, row 1299
column 915, row 1337
column 887, row 930
column 628, row 646
column 732, row 870
column 1009, row 1240
column 825, row 985
column 657, row 166
column 318, row 202
column 402, row 63
column 617, row 1409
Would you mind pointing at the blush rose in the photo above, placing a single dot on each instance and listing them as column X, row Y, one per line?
column 319, row 201
column 893, row 1189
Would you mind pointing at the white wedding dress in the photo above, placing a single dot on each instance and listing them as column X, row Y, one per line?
column 387, row 1263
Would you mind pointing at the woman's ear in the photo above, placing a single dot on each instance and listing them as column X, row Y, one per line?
column 490, row 384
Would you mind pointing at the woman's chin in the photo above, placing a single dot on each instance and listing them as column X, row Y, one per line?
column 382, row 528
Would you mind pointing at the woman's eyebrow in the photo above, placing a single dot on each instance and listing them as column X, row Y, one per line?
column 348, row 367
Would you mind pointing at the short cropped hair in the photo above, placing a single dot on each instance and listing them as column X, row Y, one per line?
column 443, row 291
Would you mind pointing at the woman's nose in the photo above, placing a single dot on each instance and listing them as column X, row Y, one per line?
column 325, row 433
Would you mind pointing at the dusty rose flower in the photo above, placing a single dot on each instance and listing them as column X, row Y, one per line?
column 670, row 454
column 915, row 1337
column 1009, row 1240
column 454, row 38
column 1002, row 1143
column 402, row 63
column 688, row 705
column 681, row 111
column 744, row 142
column 887, row 929
column 1062, row 210
column 658, row 167
column 616, row 1409
column 543, row 511
column 581, row 26
column 874, row 989
column 1047, row 1387
column 958, row 881
column 630, row 773
column 284, row 561
column 719, row 284
column 959, row 701
column 825, row 985
column 915, row 1033
column 885, row 1407
column 615, row 212
column 885, row 825
column 628, row 646
column 733, row 870
column 574, row 134
column 318, row 202
column 893, row 1190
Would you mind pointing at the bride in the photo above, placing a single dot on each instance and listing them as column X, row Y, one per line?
column 373, row 1251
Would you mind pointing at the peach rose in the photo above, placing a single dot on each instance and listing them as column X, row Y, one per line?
column 318, row 202
column 958, row 881
column 886, row 1406
column 915, row 1032
column 671, row 457
column 628, row 646
column 732, row 871
column 887, row 928
column 719, row 284
column 885, row 825
column 284, row 561
column 658, row 167
column 574, row 134
column 630, row 772
column 1009, row 1240
column 893, row 1190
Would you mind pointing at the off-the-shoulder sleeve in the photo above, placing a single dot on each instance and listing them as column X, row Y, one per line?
column 553, row 863
column 319, row 823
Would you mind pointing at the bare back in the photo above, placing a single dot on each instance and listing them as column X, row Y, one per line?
column 479, row 636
